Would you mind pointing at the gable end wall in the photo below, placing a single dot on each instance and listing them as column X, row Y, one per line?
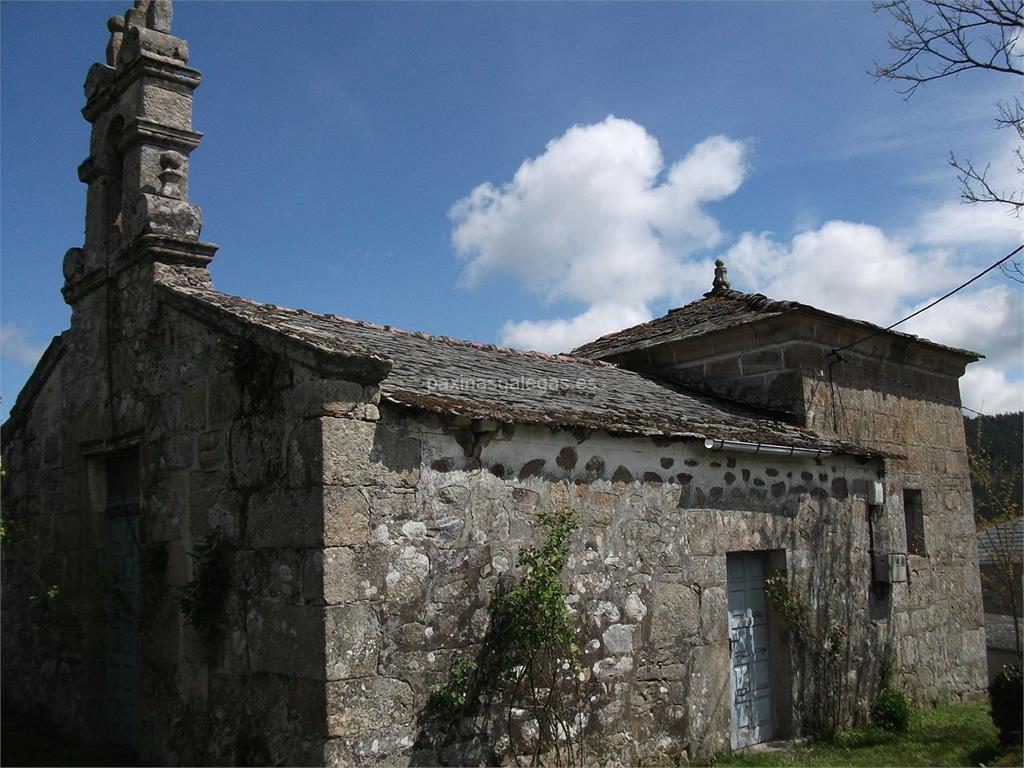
column 888, row 394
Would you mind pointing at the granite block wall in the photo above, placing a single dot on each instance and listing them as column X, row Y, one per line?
column 365, row 542
column 434, row 529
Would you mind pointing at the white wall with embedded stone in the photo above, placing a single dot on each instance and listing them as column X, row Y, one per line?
column 449, row 505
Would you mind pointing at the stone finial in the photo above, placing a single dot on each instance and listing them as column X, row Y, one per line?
column 115, row 24
column 171, row 163
column 721, row 281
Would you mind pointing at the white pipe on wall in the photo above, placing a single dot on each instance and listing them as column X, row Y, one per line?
column 738, row 446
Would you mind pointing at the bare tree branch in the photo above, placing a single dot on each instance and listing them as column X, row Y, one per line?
column 1013, row 271
column 975, row 188
column 952, row 36
column 937, row 39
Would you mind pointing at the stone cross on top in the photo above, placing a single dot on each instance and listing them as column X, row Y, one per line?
column 148, row 14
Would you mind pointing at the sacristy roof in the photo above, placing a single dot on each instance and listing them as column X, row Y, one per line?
column 722, row 309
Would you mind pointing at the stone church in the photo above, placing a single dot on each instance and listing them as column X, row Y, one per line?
column 237, row 533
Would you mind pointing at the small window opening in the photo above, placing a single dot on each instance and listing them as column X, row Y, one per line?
column 913, row 515
column 123, row 484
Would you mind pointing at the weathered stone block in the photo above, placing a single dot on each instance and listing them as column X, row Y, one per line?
column 286, row 639
column 353, row 574
column 400, row 454
column 213, row 504
column 255, row 449
column 288, row 575
column 353, row 635
column 348, row 452
column 212, row 449
column 326, row 397
column 761, row 361
column 168, row 107
column 407, row 578
column 714, row 607
column 177, row 452
column 285, row 518
column 225, row 399
column 618, row 639
column 708, row 706
column 675, row 614
column 346, row 516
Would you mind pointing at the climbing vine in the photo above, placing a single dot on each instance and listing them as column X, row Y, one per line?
column 826, row 645
column 523, row 686
column 204, row 598
column 889, row 709
column 255, row 372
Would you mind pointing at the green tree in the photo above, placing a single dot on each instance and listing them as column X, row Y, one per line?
column 997, row 514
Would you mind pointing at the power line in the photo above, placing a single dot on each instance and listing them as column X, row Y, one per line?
column 837, row 358
column 871, row 335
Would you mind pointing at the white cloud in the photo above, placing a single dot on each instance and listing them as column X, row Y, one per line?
column 844, row 267
column 954, row 223
column 14, row 346
column 561, row 335
column 598, row 219
column 957, row 224
column 989, row 390
column 989, row 320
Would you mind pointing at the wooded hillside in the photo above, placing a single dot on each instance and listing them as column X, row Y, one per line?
column 997, row 468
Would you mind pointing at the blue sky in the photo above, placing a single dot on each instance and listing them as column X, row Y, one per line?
column 651, row 138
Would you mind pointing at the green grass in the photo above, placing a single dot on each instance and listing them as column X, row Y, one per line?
column 951, row 734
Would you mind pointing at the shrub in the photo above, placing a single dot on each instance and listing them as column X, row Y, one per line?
column 890, row 710
column 1007, row 695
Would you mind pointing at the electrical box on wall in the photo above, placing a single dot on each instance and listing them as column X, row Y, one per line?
column 891, row 568
column 876, row 493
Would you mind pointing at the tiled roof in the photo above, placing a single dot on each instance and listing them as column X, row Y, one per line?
column 996, row 542
column 719, row 310
column 484, row 381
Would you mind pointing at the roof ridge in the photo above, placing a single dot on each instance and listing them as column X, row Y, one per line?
column 753, row 300
column 768, row 304
column 451, row 340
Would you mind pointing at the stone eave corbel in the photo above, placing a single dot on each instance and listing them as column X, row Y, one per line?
column 142, row 129
column 90, row 169
column 148, row 64
column 77, row 286
column 165, row 249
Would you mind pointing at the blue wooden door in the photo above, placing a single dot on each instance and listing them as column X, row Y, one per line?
column 748, row 644
column 123, row 632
